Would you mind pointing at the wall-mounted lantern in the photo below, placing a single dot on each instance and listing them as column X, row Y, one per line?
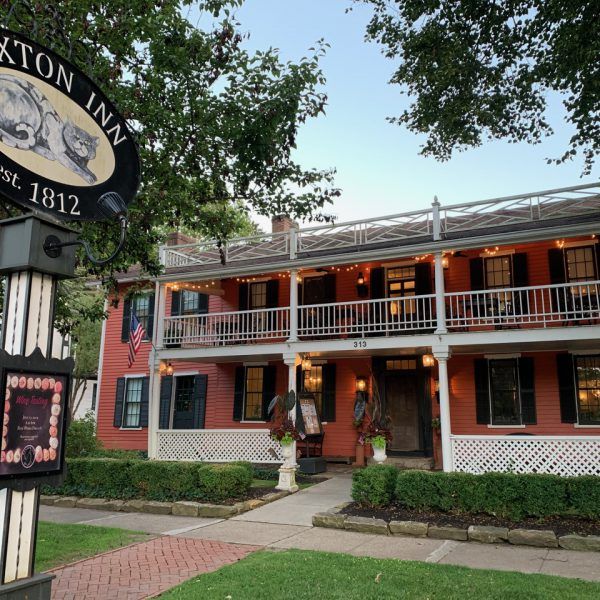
column 306, row 363
column 362, row 289
column 361, row 383
column 428, row 360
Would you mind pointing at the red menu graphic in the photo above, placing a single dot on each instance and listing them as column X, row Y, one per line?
column 32, row 431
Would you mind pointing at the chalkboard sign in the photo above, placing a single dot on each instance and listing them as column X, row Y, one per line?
column 310, row 417
column 34, row 417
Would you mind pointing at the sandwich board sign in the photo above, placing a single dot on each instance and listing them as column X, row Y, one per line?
column 62, row 142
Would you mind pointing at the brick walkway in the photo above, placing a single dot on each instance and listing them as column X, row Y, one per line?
column 143, row 570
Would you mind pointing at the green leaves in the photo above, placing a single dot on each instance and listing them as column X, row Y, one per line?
column 215, row 123
column 478, row 71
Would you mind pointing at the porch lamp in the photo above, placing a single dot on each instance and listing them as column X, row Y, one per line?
column 361, row 383
column 362, row 289
column 169, row 369
column 306, row 363
column 428, row 360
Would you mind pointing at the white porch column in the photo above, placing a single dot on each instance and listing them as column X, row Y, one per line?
column 287, row 471
column 293, row 306
column 154, row 403
column 440, row 300
column 160, row 303
column 442, row 356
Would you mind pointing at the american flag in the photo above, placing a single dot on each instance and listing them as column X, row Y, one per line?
column 136, row 334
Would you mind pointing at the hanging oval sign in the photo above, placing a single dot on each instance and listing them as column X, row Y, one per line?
column 62, row 143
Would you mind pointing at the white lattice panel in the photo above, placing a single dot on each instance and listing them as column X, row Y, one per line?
column 218, row 445
column 558, row 455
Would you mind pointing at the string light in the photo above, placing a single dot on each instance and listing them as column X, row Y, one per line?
column 491, row 252
column 560, row 244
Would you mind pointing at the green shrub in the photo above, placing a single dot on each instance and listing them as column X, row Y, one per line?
column 120, row 453
column 505, row 495
column 81, row 438
column 374, row 486
column 154, row 480
column 266, row 474
column 222, row 482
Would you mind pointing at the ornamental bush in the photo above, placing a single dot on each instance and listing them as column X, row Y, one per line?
column 505, row 495
column 154, row 480
column 374, row 486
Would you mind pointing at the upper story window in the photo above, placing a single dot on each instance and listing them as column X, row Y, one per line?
column 580, row 263
column 142, row 306
column 498, row 272
column 258, row 295
column 190, row 302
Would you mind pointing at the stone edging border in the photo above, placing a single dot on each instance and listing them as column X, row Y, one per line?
column 181, row 509
column 475, row 533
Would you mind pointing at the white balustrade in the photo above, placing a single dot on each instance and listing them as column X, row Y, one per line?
column 218, row 329
column 389, row 316
column 451, row 221
column 218, row 445
column 559, row 455
column 541, row 306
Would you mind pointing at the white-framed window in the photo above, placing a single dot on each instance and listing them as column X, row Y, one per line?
column 505, row 401
column 587, row 382
column 141, row 306
column 253, row 393
column 132, row 402
column 190, row 302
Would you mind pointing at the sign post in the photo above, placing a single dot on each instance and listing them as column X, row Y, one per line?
column 66, row 154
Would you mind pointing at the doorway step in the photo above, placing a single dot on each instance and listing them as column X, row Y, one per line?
column 420, row 463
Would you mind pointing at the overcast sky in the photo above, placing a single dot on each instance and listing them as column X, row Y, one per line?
column 379, row 168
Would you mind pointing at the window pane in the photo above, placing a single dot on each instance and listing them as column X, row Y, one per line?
column 498, row 272
column 190, row 302
column 588, row 388
column 141, row 307
column 132, row 404
column 504, row 392
column 254, row 389
column 581, row 265
column 258, row 295
column 313, row 383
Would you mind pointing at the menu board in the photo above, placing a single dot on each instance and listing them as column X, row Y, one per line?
column 312, row 424
column 34, row 423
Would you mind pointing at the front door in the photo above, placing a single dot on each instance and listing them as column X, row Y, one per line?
column 183, row 402
column 402, row 402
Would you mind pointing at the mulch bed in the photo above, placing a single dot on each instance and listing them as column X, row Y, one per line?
column 560, row 525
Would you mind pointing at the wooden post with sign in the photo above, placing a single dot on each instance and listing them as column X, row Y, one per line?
column 66, row 154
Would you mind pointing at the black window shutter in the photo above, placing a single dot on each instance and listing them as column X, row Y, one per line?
column 200, row 385
column 329, row 284
column 269, row 379
column 328, row 410
column 556, row 264
column 482, row 391
column 238, row 393
column 202, row 304
column 166, row 389
column 476, row 270
column 150, row 329
column 566, row 388
column 145, row 402
column 175, row 303
column 119, row 399
column 527, row 390
column 272, row 293
column 299, row 379
column 422, row 278
column 126, row 320
column 597, row 265
column 243, row 296
column 377, row 283
column 520, row 271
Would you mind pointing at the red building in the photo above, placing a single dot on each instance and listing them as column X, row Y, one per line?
column 483, row 317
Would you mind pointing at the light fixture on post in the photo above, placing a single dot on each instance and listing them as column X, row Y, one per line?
column 362, row 289
column 306, row 363
column 428, row 360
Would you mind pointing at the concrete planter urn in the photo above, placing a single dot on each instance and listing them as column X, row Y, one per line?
column 287, row 450
column 379, row 454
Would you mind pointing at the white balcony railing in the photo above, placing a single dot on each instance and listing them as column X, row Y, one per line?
column 542, row 306
column 218, row 445
column 218, row 329
column 559, row 455
column 435, row 223
column 389, row 316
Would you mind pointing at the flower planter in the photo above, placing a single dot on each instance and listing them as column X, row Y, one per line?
column 287, row 450
column 379, row 454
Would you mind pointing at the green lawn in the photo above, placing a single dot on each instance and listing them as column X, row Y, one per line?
column 300, row 574
column 59, row 543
